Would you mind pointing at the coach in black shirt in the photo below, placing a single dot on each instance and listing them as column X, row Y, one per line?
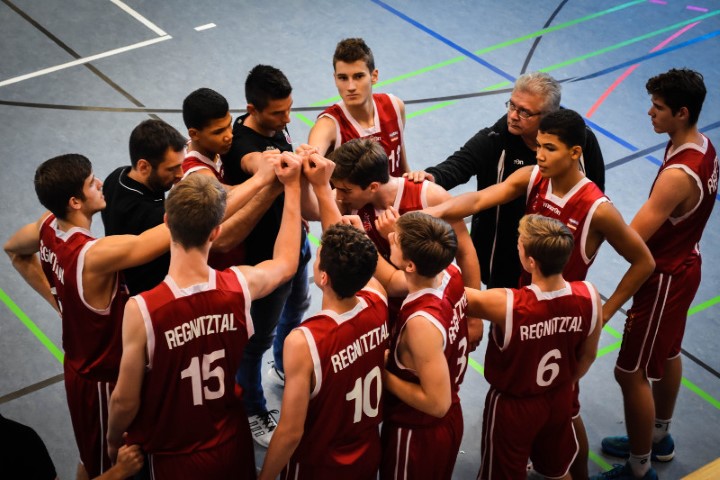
column 491, row 155
column 135, row 194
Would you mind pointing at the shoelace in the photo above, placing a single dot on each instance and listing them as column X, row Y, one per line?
column 268, row 420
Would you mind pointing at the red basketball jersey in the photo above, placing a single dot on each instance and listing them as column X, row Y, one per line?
column 575, row 210
column 92, row 338
column 387, row 127
column 410, row 197
column 195, row 341
column 195, row 161
column 543, row 330
column 445, row 308
column 678, row 237
column 345, row 409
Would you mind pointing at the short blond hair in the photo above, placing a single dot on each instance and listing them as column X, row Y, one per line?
column 546, row 240
column 194, row 207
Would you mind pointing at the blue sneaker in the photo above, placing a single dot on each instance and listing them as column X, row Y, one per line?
column 624, row 472
column 663, row 451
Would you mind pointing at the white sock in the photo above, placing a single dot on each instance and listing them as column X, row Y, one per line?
column 640, row 464
column 661, row 429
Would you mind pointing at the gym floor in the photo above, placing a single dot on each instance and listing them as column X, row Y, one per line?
column 78, row 75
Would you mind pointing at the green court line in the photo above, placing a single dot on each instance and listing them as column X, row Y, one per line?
column 598, row 460
column 612, row 331
column 479, row 368
column 580, row 58
column 491, row 48
column 310, row 123
column 704, row 306
column 700, row 393
column 608, row 349
column 430, row 109
column 313, row 239
column 34, row 329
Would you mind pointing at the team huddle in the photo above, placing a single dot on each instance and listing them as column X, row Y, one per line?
column 166, row 319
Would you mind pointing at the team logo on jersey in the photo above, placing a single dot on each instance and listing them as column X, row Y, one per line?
column 572, row 224
column 552, row 208
column 394, row 136
column 518, row 161
column 367, row 222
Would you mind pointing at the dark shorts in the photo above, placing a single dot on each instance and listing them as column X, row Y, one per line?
column 422, row 453
column 233, row 459
column 655, row 325
column 517, row 429
column 88, row 405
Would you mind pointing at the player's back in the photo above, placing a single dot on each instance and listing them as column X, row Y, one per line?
column 345, row 408
column 195, row 340
column 676, row 241
column 445, row 308
column 543, row 330
column 92, row 338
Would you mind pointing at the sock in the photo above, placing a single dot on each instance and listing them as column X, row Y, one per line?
column 640, row 464
column 661, row 430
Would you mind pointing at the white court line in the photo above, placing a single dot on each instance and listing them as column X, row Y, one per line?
column 81, row 61
column 140, row 18
column 205, row 27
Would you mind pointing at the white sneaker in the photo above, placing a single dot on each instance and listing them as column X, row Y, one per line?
column 262, row 427
column 276, row 376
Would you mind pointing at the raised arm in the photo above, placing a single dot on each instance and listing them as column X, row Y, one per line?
column 296, row 397
column 626, row 242
column 268, row 275
column 23, row 248
column 318, row 170
column 488, row 304
column 322, row 135
column 469, row 203
column 392, row 279
column 263, row 175
column 111, row 254
column 236, row 228
column 421, row 348
column 466, row 255
column 125, row 399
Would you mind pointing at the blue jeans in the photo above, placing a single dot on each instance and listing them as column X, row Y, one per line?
column 284, row 309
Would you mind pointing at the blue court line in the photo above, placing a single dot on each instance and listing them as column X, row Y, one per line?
column 509, row 77
column 648, row 56
column 644, row 152
column 444, row 40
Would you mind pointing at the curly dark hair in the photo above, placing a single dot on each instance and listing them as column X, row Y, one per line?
column 348, row 257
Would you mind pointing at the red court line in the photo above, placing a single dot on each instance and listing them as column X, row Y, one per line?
column 627, row 72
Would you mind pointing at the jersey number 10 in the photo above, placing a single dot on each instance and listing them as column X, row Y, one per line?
column 360, row 395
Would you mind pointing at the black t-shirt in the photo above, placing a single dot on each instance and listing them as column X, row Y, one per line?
column 260, row 242
column 133, row 208
column 491, row 155
column 22, row 451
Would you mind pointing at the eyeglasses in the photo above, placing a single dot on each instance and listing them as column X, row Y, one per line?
column 522, row 113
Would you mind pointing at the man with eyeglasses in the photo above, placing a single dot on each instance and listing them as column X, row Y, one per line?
column 492, row 155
